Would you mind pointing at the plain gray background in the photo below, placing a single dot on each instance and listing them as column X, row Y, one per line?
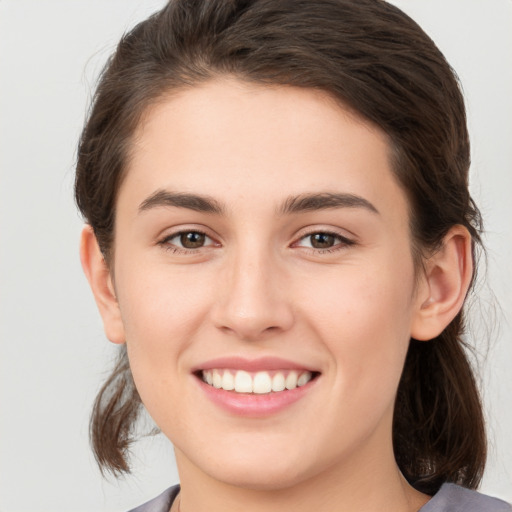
column 53, row 352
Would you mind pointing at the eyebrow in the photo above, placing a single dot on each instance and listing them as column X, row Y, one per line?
column 198, row 203
column 324, row 201
column 294, row 204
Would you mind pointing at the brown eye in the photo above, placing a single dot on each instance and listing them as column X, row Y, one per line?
column 184, row 242
column 192, row 239
column 322, row 240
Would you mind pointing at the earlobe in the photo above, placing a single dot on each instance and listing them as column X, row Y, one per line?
column 448, row 274
column 100, row 280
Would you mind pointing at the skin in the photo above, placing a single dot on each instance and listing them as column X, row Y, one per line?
column 257, row 288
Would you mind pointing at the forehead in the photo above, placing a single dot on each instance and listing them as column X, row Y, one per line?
column 238, row 141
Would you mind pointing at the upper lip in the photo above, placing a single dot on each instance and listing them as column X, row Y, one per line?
column 252, row 365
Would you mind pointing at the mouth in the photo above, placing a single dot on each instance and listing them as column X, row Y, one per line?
column 255, row 388
column 261, row 382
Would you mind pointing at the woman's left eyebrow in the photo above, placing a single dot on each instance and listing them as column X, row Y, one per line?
column 324, row 201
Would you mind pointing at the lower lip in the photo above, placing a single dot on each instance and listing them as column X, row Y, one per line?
column 252, row 404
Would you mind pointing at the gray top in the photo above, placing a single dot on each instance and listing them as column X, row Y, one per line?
column 450, row 498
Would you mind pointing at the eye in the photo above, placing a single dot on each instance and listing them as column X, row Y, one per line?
column 324, row 240
column 191, row 239
column 187, row 240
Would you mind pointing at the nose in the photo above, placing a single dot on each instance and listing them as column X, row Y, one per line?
column 253, row 302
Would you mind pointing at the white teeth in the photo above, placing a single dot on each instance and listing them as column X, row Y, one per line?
column 259, row 383
column 278, row 382
column 228, row 381
column 291, row 380
column 262, row 383
column 217, row 379
column 304, row 378
column 243, row 382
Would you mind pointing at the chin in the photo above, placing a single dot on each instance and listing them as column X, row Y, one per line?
column 268, row 478
column 260, row 468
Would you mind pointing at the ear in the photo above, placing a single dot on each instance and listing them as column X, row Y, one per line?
column 444, row 285
column 100, row 281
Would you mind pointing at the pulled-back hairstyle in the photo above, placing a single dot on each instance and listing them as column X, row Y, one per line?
column 373, row 59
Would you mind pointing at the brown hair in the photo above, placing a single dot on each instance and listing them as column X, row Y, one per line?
column 372, row 58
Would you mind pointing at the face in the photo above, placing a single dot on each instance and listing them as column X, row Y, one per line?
column 262, row 243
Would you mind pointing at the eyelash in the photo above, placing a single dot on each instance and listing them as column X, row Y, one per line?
column 342, row 244
column 182, row 250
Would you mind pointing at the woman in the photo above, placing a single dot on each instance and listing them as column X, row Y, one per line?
column 280, row 234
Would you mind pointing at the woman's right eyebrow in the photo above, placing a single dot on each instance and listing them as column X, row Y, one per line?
column 196, row 202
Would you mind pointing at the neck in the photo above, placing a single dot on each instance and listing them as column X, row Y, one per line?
column 372, row 484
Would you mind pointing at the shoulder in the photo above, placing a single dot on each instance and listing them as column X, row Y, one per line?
column 453, row 498
column 450, row 498
column 162, row 503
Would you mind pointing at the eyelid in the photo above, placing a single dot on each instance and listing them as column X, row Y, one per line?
column 164, row 240
column 179, row 233
column 343, row 240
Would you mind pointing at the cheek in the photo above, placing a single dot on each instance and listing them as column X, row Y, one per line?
column 162, row 313
column 159, row 298
column 162, row 309
column 365, row 323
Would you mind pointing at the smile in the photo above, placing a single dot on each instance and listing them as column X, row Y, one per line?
column 261, row 382
column 255, row 388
